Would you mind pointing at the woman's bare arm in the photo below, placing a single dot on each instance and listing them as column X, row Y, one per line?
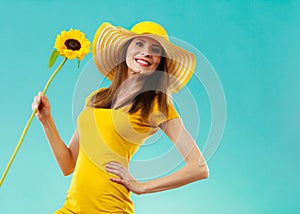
column 65, row 156
column 195, row 168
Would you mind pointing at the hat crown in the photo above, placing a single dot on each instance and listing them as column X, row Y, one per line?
column 147, row 27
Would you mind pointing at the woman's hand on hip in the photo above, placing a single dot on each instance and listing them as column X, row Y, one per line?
column 42, row 104
column 124, row 177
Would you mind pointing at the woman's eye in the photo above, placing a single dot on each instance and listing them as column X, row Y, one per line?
column 140, row 44
column 156, row 50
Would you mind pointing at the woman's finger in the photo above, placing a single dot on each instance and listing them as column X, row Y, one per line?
column 112, row 163
column 117, row 171
column 44, row 99
column 40, row 95
column 36, row 101
column 33, row 106
column 117, row 166
column 114, row 167
column 117, row 180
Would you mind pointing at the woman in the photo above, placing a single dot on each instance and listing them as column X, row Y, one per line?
column 144, row 67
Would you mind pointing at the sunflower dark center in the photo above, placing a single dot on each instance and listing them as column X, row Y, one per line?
column 73, row 44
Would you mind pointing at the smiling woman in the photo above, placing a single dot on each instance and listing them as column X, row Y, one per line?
column 143, row 54
column 145, row 67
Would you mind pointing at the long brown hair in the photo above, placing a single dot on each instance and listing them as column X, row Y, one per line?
column 143, row 101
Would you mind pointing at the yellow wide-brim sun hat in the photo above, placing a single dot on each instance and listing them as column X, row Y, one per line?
column 109, row 40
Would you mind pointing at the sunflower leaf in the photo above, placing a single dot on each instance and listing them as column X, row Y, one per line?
column 53, row 58
column 78, row 62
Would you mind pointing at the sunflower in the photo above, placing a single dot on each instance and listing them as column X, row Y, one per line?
column 72, row 44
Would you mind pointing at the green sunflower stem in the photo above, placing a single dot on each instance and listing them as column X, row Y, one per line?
column 28, row 124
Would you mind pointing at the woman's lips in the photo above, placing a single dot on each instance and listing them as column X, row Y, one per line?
column 142, row 62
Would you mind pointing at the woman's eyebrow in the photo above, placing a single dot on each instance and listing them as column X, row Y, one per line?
column 156, row 45
column 141, row 40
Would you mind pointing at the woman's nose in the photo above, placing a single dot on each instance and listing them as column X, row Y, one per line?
column 145, row 54
column 146, row 51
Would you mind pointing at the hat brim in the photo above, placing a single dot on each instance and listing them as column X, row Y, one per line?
column 109, row 40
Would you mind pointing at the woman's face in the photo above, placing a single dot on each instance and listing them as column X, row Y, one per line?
column 143, row 55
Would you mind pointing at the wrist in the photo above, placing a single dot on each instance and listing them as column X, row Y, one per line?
column 143, row 188
column 46, row 120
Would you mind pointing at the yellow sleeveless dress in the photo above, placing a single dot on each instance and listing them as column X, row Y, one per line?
column 107, row 135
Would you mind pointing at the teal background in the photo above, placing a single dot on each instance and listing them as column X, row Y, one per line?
column 253, row 46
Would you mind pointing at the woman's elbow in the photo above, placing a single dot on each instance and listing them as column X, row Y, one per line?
column 206, row 173
column 67, row 172
column 203, row 172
